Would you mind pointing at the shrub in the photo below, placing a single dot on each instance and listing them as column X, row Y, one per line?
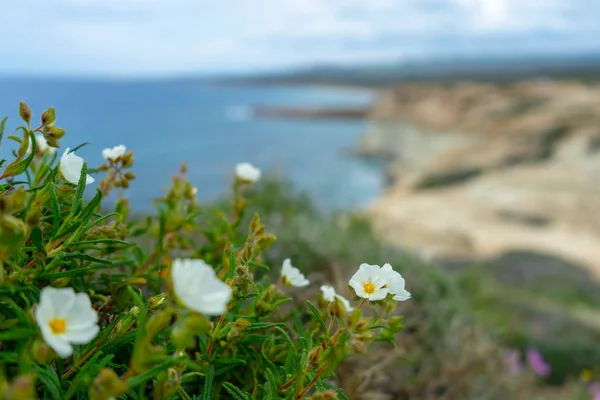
column 175, row 305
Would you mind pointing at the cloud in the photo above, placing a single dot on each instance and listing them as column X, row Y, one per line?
column 152, row 37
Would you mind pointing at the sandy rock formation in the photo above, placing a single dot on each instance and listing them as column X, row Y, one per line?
column 477, row 170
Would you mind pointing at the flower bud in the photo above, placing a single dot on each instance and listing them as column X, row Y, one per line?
column 233, row 334
column 330, row 394
column 135, row 281
column 60, row 282
column 127, row 160
column 354, row 318
column 52, row 132
column 24, row 112
column 260, row 231
column 265, row 241
column 390, row 306
column 107, row 385
column 17, row 199
column 40, row 352
column 263, row 308
column 187, row 327
column 315, row 355
column 322, row 303
column 241, row 324
column 157, row 302
column 33, row 216
column 159, row 321
column 339, row 309
column 23, row 388
column 247, row 251
column 13, row 234
column 359, row 347
column 48, row 116
column 362, row 324
column 396, row 323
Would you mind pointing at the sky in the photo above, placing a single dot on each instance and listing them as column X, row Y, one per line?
column 183, row 37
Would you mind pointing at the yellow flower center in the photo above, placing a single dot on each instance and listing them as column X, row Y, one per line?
column 58, row 326
column 586, row 375
column 369, row 288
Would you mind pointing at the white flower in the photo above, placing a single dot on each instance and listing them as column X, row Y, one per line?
column 247, row 172
column 291, row 275
column 70, row 167
column 395, row 282
column 330, row 295
column 114, row 153
column 41, row 145
column 197, row 286
column 369, row 282
column 66, row 318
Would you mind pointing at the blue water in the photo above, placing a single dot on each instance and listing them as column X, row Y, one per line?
column 208, row 127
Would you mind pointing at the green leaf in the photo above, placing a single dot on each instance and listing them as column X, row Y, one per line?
column 55, row 209
column 70, row 273
column 73, row 150
column 273, row 383
column 18, row 167
column 183, row 394
column 231, row 261
column 152, row 372
column 86, row 257
column 317, row 315
column 235, row 393
column 2, row 124
column 47, row 376
column 97, row 221
column 19, row 312
column 341, row 395
column 17, row 334
column 101, row 241
column 208, row 384
column 227, row 364
column 257, row 326
column 89, row 209
column 36, row 238
column 80, row 189
column 259, row 265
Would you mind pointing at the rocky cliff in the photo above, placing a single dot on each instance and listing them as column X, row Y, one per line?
column 479, row 170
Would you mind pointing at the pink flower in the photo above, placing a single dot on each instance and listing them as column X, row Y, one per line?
column 537, row 363
column 512, row 361
column 594, row 390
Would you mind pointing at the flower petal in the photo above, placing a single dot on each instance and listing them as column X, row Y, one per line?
column 358, row 288
column 81, row 334
column 198, row 288
column 44, row 312
column 379, row 294
column 402, row 296
column 328, row 292
column 60, row 346
column 81, row 314
column 61, row 300
column 345, row 302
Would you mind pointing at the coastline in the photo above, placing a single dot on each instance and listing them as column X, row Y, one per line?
column 469, row 146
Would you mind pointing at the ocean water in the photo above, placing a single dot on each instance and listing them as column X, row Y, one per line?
column 210, row 128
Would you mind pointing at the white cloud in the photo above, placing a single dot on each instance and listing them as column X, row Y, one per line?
column 176, row 36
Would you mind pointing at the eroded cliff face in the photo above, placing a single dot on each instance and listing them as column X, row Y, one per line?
column 477, row 170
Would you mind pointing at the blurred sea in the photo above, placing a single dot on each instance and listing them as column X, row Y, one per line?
column 210, row 128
